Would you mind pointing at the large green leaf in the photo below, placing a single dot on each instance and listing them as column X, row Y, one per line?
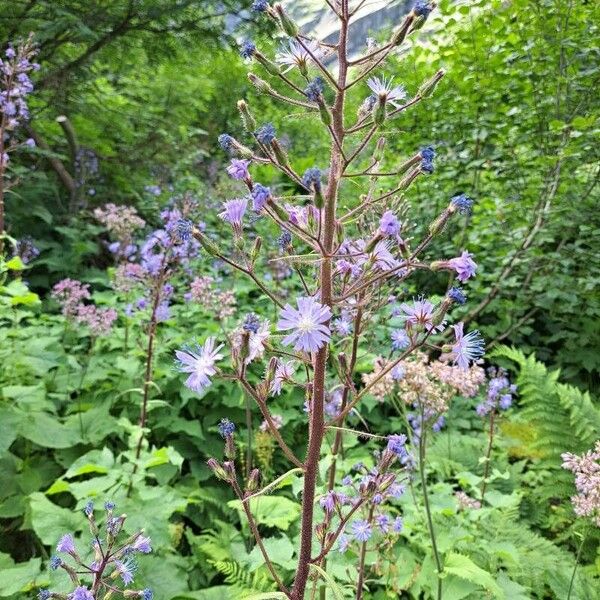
column 49, row 521
column 463, row 567
column 272, row 511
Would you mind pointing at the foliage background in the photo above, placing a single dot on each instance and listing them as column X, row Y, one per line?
column 148, row 86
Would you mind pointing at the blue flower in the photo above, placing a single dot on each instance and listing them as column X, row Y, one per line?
column 226, row 428
column 247, row 49
column 398, row 525
column 397, row 445
column 462, row 203
column 284, row 240
column 55, row 562
column 312, row 178
column 126, row 569
column 88, row 509
column 226, row 142
column 44, row 595
column 251, row 323
column 147, row 594
column 343, row 543
column 400, row 339
column 258, row 6
column 314, row 90
column 427, row 153
column 422, row 8
column 265, row 134
column 260, row 196
column 184, row 229
column 457, row 295
column 361, row 530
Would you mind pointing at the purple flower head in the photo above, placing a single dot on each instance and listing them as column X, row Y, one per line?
column 283, row 372
column 466, row 348
column 315, row 88
column 420, row 313
column 260, row 196
column 200, row 363
column 66, row 544
column 400, row 339
column 342, row 326
column 55, row 562
column 251, row 323
column 260, row 5
column 427, row 153
column 308, row 324
column 163, row 312
column 238, row 169
column 226, row 428
column 385, row 90
column 347, row 480
column 233, row 213
column 464, row 265
column 343, row 543
column 284, row 240
column 247, row 49
column 398, row 525
column 422, row 8
column 398, row 373
column 81, row 593
column 88, row 509
column 328, row 502
column 462, row 203
column 383, row 523
column 109, row 506
column 389, row 224
column 226, row 142
column 397, row 445
column 457, row 295
column 265, row 134
column 438, row 424
column 142, row 544
column 10, row 52
column 361, row 530
column 44, row 594
column 184, row 229
column 312, row 179
column 505, row 401
column 147, row 594
column 126, row 569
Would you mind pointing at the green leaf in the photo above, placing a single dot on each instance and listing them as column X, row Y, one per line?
column 46, row 431
column 22, row 577
column 49, row 521
column 272, row 511
column 338, row 594
column 279, row 549
column 95, row 461
column 463, row 567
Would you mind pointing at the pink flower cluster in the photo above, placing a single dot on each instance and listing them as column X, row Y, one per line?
column 203, row 291
column 121, row 221
column 465, row 502
column 71, row 293
column 586, row 469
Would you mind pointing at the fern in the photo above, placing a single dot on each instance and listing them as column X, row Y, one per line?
column 243, row 582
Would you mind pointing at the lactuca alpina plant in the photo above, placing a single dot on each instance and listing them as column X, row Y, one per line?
column 349, row 258
column 111, row 570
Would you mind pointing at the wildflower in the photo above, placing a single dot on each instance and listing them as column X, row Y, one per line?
column 464, row 265
column 200, row 363
column 163, row 312
column 308, row 323
column 397, row 445
column 586, row 468
column 66, row 544
column 298, row 56
column 247, row 49
column 462, row 203
column 347, row 480
column 389, row 225
column 258, row 6
column 184, row 229
column 142, row 544
column 265, row 134
column 361, row 530
column 397, row 525
column 44, row 595
column 277, row 421
column 55, row 562
column 226, row 428
column 226, row 142
column 88, row 509
column 81, row 593
column 238, row 169
column 283, row 372
column 457, row 295
column 343, row 543
column 385, row 90
column 314, row 90
column 383, row 522
column 466, row 348
column 397, row 373
column 260, row 196
column 284, row 240
column 422, row 8
column 400, row 339
column 147, row 594
column 109, row 506
column 328, row 502
column 251, row 323
column 233, row 213
column 420, row 313
column 126, row 569
column 342, row 326
column 312, row 178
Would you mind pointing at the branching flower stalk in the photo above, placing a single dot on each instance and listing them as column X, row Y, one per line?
column 351, row 277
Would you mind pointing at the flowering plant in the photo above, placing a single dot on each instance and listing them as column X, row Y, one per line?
column 348, row 261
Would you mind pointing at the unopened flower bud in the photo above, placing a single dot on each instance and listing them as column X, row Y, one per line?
column 229, row 447
column 280, row 153
column 429, row 86
column 320, row 531
column 217, row 469
column 255, row 249
column 343, row 360
column 379, row 148
column 229, row 468
column 271, row 368
column 325, row 113
column 412, row 175
column 411, row 162
column 280, row 211
column 439, row 224
column 205, row 242
column 247, row 119
column 287, row 24
column 379, row 111
column 260, row 84
column 269, row 65
column 253, row 480
column 399, row 35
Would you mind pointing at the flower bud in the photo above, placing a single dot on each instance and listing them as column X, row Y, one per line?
column 247, row 119
column 325, row 113
column 373, row 242
column 270, row 67
column 280, row 153
column 280, row 211
column 399, row 35
column 406, row 165
column 343, row 360
column 206, row 243
column 412, row 175
column 229, row 467
column 260, row 84
column 271, row 368
column 255, row 249
column 439, row 224
column 287, row 24
column 379, row 112
column 229, row 447
column 320, row 531
column 253, row 480
column 429, row 86
column 217, row 469
column 379, row 148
